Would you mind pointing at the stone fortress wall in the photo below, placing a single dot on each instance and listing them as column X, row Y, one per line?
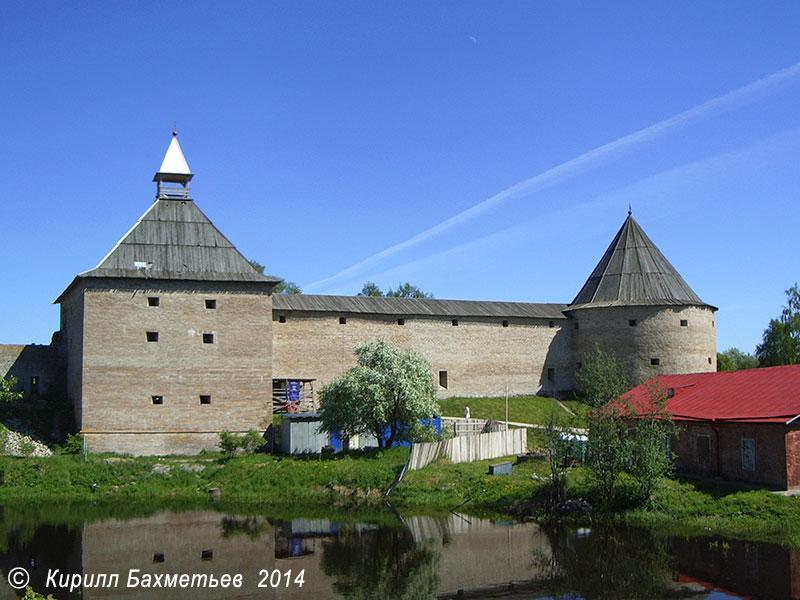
column 174, row 336
column 477, row 357
column 178, row 390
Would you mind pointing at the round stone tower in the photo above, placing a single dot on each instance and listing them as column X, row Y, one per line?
column 637, row 307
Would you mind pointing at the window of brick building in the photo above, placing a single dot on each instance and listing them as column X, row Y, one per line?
column 684, row 322
column 207, row 555
column 702, row 450
column 455, row 322
column 34, row 384
column 158, row 557
column 152, row 301
column 748, row 454
column 655, row 361
column 211, row 303
column 157, row 399
column 551, row 374
column 205, row 399
column 632, row 322
column 505, row 323
column 401, row 321
column 553, row 324
column 208, row 338
column 281, row 318
column 152, row 336
column 342, row 320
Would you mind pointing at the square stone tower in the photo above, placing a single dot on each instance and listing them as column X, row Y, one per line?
column 168, row 340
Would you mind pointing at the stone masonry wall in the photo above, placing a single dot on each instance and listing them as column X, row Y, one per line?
column 35, row 367
column 657, row 335
column 72, row 339
column 123, row 371
column 479, row 355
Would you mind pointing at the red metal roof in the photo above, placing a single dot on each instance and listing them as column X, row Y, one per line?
column 768, row 395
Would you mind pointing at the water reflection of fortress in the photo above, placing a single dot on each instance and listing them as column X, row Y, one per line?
column 445, row 558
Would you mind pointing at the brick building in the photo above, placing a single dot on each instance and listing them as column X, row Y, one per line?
column 738, row 425
column 174, row 336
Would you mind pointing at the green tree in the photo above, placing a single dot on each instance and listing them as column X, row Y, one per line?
column 404, row 290
column 7, row 393
column 601, row 378
column 389, row 390
column 407, row 290
column 283, row 286
column 781, row 342
column 370, row 289
column 734, row 359
column 557, row 457
column 609, row 449
column 649, row 435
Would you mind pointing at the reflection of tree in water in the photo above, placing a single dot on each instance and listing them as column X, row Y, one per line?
column 382, row 563
column 252, row 527
column 607, row 563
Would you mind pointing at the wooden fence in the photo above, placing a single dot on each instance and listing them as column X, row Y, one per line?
column 469, row 448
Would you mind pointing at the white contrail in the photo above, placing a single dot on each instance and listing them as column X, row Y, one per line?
column 575, row 165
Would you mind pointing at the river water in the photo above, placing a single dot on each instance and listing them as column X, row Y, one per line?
column 391, row 557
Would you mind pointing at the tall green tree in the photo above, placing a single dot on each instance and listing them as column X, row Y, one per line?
column 609, row 449
column 283, row 286
column 649, row 435
column 601, row 378
column 780, row 344
column 387, row 392
column 404, row 290
column 370, row 289
column 734, row 359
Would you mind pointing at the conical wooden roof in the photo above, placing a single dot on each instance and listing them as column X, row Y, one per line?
column 633, row 272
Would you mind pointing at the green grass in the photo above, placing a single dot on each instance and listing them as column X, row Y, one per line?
column 521, row 409
column 356, row 480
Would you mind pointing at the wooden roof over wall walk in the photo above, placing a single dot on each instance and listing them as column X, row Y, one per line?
column 378, row 305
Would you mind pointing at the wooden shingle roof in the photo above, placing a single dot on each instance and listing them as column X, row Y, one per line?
column 175, row 240
column 378, row 305
column 633, row 272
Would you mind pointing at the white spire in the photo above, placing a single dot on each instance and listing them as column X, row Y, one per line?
column 174, row 161
column 174, row 170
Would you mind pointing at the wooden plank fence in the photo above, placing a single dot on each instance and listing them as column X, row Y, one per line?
column 467, row 448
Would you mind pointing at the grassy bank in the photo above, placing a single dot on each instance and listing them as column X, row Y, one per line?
column 357, row 480
column 521, row 409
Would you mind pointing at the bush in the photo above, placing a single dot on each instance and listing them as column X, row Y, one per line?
column 72, row 445
column 246, row 443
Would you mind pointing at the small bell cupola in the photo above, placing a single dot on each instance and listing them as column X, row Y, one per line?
column 173, row 177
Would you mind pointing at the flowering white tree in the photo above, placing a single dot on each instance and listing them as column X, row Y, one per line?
column 388, row 391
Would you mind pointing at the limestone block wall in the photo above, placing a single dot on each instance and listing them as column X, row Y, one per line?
column 35, row 367
column 650, row 340
column 479, row 355
column 71, row 334
column 207, row 366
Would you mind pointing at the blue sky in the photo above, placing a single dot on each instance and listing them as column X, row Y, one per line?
column 480, row 150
